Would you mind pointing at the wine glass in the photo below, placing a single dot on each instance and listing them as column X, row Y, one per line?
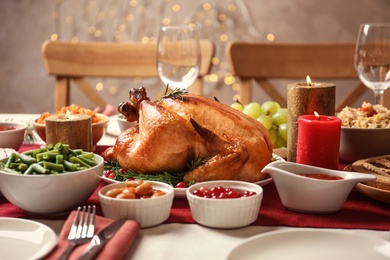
column 178, row 56
column 372, row 57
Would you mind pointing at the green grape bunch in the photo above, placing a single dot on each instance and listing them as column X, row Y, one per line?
column 272, row 116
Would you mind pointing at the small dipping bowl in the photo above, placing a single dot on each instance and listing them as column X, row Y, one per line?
column 148, row 212
column 310, row 195
column 225, row 213
column 123, row 123
column 12, row 134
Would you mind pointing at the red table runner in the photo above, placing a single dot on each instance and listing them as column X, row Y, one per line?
column 358, row 212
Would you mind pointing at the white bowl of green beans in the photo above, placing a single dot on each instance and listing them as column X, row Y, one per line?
column 50, row 180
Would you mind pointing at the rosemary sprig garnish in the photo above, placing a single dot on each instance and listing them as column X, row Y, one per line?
column 170, row 178
column 196, row 161
column 177, row 93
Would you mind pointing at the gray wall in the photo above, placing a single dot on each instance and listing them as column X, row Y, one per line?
column 26, row 24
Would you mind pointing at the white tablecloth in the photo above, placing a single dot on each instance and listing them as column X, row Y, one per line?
column 192, row 241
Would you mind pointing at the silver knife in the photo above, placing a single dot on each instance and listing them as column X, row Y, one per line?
column 100, row 239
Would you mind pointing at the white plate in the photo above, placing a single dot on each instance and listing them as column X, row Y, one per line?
column 181, row 192
column 282, row 152
column 25, row 239
column 311, row 244
column 113, row 128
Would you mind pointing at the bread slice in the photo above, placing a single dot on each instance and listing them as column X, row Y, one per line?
column 379, row 166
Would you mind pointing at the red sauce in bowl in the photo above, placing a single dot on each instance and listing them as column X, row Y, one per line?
column 7, row 128
column 322, row 176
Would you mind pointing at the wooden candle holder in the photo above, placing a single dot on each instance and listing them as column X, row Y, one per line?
column 305, row 99
column 74, row 130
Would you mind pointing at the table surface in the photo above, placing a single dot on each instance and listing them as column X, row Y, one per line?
column 186, row 241
column 192, row 241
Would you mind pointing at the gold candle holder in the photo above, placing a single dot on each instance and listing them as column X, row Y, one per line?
column 305, row 99
column 74, row 130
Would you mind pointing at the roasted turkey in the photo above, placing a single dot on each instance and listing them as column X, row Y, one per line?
column 179, row 127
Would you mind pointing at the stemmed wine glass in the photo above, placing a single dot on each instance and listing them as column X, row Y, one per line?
column 178, row 56
column 372, row 57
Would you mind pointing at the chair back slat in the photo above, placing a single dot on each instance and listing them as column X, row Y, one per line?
column 74, row 61
column 265, row 61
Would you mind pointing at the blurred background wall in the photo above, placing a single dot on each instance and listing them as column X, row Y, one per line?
column 26, row 24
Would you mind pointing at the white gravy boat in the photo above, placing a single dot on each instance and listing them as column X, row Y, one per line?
column 304, row 194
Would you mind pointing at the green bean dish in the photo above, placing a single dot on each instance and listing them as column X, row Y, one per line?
column 49, row 159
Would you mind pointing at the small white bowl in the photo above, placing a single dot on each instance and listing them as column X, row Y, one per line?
column 148, row 212
column 14, row 136
column 51, row 194
column 225, row 213
column 123, row 123
column 304, row 194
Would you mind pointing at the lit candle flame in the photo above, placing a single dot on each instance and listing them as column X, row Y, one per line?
column 70, row 116
column 317, row 115
column 308, row 81
column 67, row 114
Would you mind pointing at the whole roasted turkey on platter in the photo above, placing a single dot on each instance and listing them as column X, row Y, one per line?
column 179, row 127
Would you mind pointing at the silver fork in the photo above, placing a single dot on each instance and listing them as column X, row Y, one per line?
column 82, row 230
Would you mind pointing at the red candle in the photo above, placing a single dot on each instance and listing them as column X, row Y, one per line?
column 318, row 140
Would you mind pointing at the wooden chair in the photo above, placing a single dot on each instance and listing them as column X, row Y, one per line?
column 264, row 61
column 75, row 61
column 386, row 98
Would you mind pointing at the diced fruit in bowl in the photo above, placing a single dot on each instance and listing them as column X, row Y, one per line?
column 219, row 192
column 272, row 116
column 50, row 180
column 225, row 204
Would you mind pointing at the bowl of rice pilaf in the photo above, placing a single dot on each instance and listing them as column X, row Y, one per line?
column 365, row 132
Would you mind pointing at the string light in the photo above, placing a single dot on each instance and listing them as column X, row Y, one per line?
column 224, row 37
column 54, row 37
column 138, row 21
column 214, row 77
column 166, row 21
column 133, row 3
column 215, row 60
column 229, row 79
column 236, row 87
column 99, row 86
column 270, row 37
column 176, row 8
column 112, row 90
column 206, row 6
column 145, row 40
